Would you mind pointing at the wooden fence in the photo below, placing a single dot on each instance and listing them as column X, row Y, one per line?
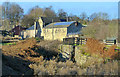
column 81, row 41
column 11, row 39
column 110, row 42
column 74, row 40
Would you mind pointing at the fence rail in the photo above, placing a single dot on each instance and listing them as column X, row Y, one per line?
column 110, row 42
column 74, row 40
column 81, row 41
column 11, row 39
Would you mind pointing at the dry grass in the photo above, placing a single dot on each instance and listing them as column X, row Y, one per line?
column 36, row 54
column 69, row 68
column 49, row 45
column 20, row 47
column 97, row 48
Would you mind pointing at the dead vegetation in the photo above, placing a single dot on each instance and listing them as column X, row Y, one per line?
column 97, row 48
column 49, row 45
column 31, row 50
column 28, row 57
column 19, row 48
column 69, row 68
column 25, row 51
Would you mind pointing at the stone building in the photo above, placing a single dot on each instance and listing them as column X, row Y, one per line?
column 16, row 30
column 31, row 32
column 60, row 30
column 36, row 29
column 52, row 29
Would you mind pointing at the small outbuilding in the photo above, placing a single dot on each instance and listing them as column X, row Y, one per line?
column 33, row 31
column 16, row 30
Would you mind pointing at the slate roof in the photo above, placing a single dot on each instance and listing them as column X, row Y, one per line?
column 59, row 24
column 31, row 28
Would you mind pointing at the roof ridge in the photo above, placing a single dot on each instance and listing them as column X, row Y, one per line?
column 59, row 24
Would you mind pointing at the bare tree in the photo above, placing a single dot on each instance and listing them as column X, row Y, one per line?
column 33, row 14
column 83, row 16
column 5, row 9
column 11, row 14
column 99, row 17
column 62, row 13
column 103, row 16
column 49, row 12
column 36, row 12
column 28, row 21
column 101, row 27
column 15, row 12
column 93, row 16
column 0, row 15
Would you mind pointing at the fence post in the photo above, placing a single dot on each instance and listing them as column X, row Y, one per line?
column 81, row 41
column 104, row 41
column 115, row 41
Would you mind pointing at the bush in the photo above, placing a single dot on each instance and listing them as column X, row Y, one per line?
column 37, row 39
column 69, row 68
column 96, row 48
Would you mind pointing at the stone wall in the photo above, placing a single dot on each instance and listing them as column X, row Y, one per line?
column 85, row 59
column 54, row 33
column 66, row 51
column 79, row 57
column 28, row 33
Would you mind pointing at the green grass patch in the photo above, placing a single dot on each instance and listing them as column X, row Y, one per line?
column 118, row 48
column 87, row 54
column 8, row 43
column 37, row 39
column 75, row 44
column 107, row 46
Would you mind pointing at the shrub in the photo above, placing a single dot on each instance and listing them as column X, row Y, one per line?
column 62, row 68
column 110, row 53
column 38, row 39
column 97, row 48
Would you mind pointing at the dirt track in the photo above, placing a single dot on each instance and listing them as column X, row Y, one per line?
column 14, row 50
column 15, row 57
column 24, row 53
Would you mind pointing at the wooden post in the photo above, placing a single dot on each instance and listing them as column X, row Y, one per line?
column 115, row 41
column 35, row 23
column 81, row 41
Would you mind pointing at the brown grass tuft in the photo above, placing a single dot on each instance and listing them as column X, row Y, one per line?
column 97, row 48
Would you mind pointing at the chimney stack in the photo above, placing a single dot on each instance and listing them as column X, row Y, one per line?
column 35, row 23
column 52, row 20
column 67, row 19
